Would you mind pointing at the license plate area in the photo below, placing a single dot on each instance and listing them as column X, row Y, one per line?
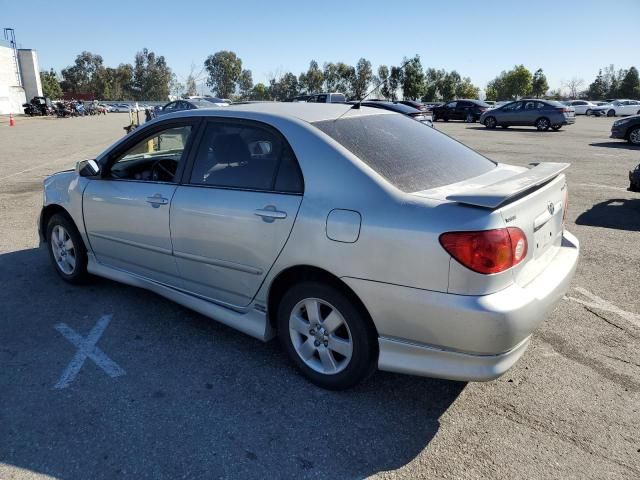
column 544, row 237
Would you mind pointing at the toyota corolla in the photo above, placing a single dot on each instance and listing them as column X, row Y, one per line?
column 357, row 236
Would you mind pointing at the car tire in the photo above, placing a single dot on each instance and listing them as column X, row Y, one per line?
column 588, row 113
column 611, row 113
column 67, row 251
column 634, row 136
column 556, row 127
column 338, row 321
column 542, row 124
column 490, row 122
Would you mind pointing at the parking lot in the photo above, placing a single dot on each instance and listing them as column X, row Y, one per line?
column 191, row 398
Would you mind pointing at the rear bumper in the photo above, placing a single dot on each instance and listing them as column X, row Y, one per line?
column 569, row 120
column 463, row 337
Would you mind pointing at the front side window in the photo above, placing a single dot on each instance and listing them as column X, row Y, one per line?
column 154, row 158
column 451, row 104
column 512, row 107
column 408, row 154
column 245, row 155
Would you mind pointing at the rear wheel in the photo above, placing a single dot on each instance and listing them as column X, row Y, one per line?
column 490, row 122
column 66, row 249
column 611, row 113
column 634, row 136
column 543, row 124
column 588, row 113
column 326, row 335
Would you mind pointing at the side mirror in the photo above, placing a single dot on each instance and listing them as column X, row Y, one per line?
column 88, row 168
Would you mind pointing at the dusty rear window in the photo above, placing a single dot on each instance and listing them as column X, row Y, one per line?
column 408, row 154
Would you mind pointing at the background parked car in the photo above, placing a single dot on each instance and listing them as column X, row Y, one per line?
column 627, row 129
column 542, row 114
column 187, row 104
column 415, row 104
column 467, row 110
column 623, row 107
column 400, row 107
column 121, row 107
column 584, row 107
column 333, row 97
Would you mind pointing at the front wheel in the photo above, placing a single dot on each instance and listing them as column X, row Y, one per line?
column 66, row 249
column 611, row 113
column 542, row 124
column 326, row 335
column 490, row 122
column 634, row 136
column 588, row 113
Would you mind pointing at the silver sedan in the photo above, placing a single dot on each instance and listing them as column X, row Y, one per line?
column 357, row 236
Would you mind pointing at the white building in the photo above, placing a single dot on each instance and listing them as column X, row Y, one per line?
column 19, row 77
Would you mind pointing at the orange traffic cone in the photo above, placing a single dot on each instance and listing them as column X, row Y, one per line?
column 12, row 121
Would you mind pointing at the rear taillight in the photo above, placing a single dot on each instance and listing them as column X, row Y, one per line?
column 483, row 109
column 487, row 251
column 563, row 110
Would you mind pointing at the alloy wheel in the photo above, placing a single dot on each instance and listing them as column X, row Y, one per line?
column 320, row 336
column 634, row 136
column 542, row 124
column 64, row 251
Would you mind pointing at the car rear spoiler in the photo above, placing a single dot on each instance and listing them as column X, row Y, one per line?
column 496, row 194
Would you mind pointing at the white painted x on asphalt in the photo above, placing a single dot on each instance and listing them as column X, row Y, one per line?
column 87, row 348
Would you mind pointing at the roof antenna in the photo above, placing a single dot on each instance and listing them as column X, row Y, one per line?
column 356, row 106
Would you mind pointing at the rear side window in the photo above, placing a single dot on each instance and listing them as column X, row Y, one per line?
column 408, row 154
column 245, row 155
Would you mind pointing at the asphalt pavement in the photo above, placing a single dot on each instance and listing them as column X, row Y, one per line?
column 191, row 398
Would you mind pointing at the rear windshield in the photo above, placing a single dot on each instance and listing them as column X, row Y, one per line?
column 408, row 154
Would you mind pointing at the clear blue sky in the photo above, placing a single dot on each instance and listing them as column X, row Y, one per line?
column 479, row 39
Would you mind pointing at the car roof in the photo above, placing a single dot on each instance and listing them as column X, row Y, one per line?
column 307, row 112
column 395, row 106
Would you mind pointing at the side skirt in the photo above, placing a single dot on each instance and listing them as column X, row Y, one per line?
column 252, row 321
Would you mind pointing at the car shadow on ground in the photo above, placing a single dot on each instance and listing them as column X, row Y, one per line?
column 620, row 214
column 512, row 129
column 616, row 144
column 198, row 399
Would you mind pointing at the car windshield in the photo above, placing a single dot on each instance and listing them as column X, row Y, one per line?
column 408, row 154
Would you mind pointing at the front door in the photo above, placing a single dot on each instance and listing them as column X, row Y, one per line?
column 234, row 213
column 511, row 114
column 126, row 211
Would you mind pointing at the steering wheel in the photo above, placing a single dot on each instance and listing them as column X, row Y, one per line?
column 163, row 173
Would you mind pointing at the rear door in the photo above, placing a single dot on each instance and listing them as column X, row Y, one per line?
column 234, row 212
column 531, row 110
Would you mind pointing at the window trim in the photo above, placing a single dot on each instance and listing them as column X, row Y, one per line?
column 206, row 121
column 138, row 135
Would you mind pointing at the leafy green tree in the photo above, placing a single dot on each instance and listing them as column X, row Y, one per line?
column 50, row 84
column 330, row 75
column 245, row 83
column 361, row 79
column 597, row 89
column 151, row 76
column 539, row 85
column 448, row 85
column 395, row 80
column 284, row 88
column 312, row 80
column 224, row 69
column 630, row 84
column 81, row 77
column 432, row 81
column 383, row 81
column 345, row 77
column 259, row 92
column 412, row 79
column 466, row 89
column 515, row 83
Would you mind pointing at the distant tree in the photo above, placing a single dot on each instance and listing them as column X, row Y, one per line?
column 412, row 79
column 573, row 86
column 50, row 84
column 312, row 80
column 361, row 79
column 245, row 84
column 151, row 76
column 81, row 77
column 556, row 94
column 395, row 80
column 466, row 89
column 515, row 83
column 284, row 88
column 597, row 89
column 259, row 92
column 330, row 76
column 224, row 69
column 630, row 84
column 539, row 85
column 432, row 82
column 383, row 81
column 448, row 85
column 345, row 76
column 190, row 86
column 176, row 88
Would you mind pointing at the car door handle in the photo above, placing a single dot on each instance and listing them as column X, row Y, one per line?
column 270, row 213
column 157, row 200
